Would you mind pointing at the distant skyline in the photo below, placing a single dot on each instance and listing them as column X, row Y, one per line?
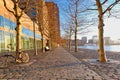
column 111, row 29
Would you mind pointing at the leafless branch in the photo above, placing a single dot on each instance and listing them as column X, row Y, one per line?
column 84, row 32
column 86, row 10
column 111, row 6
column 85, row 27
column 24, row 8
column 104, row 2
column 5, row 5
column 109, row 13
column 17, row 1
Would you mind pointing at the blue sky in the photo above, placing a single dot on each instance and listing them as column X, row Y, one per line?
column 111, row 28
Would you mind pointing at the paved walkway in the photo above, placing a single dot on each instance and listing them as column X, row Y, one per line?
column 57, row 65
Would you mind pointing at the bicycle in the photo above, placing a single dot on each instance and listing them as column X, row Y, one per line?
column 7, row 59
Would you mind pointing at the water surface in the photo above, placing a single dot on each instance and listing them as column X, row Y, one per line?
column 114, row 48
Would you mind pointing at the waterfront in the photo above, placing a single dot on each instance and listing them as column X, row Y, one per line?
column 108, row 70
column 114, row 48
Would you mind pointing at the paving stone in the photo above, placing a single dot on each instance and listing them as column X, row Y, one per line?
column 61, row 79
column 52, row 79
column 2, row 76
column 58, row 66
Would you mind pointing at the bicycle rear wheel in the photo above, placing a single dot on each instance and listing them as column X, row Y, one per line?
column 6, row 61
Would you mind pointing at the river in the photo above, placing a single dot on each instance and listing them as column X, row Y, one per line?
column 114, row 48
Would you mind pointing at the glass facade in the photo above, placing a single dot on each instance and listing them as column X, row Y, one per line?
column 30, row 33
column 4, row 22
column 7, row 38
column 1, row 21
column 2, row 40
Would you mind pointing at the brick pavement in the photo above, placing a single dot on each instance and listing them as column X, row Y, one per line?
column 56, row 65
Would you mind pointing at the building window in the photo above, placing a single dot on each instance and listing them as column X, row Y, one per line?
column 1, row 21
column 2, row 42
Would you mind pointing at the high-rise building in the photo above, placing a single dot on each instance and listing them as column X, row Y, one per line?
column 54, row 25
column 95, row 39
column 84, row 40
column 107, row 40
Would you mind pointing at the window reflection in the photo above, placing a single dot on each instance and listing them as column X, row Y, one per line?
column 10, row 38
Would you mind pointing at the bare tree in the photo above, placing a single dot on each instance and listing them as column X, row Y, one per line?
column 38, row 14
column 101, row 13
column 92, row 7
column 102, row 7
column 73, row 13
column 69, row 30
column 39, row 17
column 42, row 19
column 17, row 12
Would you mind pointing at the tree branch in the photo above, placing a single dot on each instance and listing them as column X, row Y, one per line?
column 87, row 10
column 5, row 5
column 17, row 1
column 23, row 9
column 104, row 2
column 111, row 6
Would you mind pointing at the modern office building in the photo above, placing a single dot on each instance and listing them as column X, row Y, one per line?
column 8, row 32
column 38, row 12
column 84, row 40
column 107, row 40
column 90, row 41
column 95, row 39
column 49, row 21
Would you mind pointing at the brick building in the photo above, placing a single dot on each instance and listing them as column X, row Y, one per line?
column 53, row 12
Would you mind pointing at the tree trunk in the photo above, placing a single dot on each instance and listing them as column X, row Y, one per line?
column 43, row 50
column 35, row 45
column 18, row 14
column 69, row 44
column 70, row 39
column 51, row 46
column 76, row 29
column 102, row 55
column 76, row 49
column 18, row 30
column 18, row 38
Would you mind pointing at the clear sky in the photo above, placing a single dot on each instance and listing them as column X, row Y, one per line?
column 111, row 28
